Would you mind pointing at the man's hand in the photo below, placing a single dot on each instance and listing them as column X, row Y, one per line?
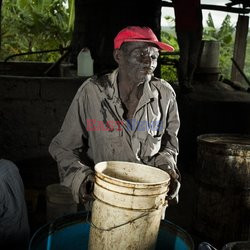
column 173, row 194
column 167, row 163
column 174, row 186
column 86, row 189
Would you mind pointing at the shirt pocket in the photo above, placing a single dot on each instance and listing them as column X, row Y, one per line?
column 109, row 144
column 150, row 146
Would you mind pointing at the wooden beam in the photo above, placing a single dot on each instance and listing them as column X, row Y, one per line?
column 214, row 7
column 235, row 2
column 240, row 47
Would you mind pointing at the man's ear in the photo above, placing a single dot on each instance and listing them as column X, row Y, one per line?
column 117, row 55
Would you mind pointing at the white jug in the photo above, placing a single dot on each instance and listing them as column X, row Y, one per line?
column 85, row 63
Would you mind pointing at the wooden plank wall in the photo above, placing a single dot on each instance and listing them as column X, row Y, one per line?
column 240, row 47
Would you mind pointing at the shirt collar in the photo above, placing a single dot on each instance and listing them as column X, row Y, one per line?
column 149, row 90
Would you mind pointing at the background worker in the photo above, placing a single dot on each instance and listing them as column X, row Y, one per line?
column 188, row 27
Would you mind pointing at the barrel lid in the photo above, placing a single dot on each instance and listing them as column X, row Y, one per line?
column 235, row 140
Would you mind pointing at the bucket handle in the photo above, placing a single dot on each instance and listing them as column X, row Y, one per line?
column 123, row 224
column 130, row 221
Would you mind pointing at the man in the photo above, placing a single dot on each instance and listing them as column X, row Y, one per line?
column 14, row 226
column 188, row 27
column 128, row 115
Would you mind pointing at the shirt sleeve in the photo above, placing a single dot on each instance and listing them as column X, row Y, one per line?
column 169, row 149
column 69, row 144
column 170, row 143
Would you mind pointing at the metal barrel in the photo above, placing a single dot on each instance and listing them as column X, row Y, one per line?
column 223, row 201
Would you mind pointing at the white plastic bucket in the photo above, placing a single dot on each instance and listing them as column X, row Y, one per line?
column 129, row 200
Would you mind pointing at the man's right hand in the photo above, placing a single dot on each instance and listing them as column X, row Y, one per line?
column 86, row 189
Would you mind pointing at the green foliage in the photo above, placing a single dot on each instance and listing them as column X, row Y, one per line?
column 34, row 25
column 225, row 36
column 169, row 72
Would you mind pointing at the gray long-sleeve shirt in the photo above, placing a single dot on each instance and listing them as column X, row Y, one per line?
column 94, row 128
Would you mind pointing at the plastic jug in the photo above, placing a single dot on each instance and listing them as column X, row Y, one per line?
column 84, row 63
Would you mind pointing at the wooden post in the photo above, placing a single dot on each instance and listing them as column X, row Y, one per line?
column 240, row 47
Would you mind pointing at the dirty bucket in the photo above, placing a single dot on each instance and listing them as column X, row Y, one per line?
column 223, row 175
column 72, row 232
column 129, row 201
column 59, row 201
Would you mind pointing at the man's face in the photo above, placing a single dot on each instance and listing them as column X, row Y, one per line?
column 139, row 60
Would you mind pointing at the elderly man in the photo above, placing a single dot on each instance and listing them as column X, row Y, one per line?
column 128, row 115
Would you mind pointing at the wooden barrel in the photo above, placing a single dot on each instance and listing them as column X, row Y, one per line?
column 223, row 201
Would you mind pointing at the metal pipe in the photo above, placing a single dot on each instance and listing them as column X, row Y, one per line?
column 35, row 52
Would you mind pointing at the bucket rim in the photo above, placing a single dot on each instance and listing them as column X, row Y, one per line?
column 142, row 185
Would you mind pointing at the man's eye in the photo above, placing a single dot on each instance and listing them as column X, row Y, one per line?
column 154, row 57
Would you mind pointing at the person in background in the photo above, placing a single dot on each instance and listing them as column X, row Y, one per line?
column 127, row 115
column 14, row 226
column 189, row 28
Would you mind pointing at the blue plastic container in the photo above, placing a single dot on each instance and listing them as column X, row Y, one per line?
column 71, row 232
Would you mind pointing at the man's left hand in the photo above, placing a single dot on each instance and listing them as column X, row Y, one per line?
column 167, row 163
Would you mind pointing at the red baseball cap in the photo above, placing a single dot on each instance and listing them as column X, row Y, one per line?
column 139, row 34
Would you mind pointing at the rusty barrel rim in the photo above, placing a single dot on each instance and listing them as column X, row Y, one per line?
column 229, row 144
column 242, row 140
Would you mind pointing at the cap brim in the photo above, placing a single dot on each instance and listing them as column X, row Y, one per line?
column 160, row 45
